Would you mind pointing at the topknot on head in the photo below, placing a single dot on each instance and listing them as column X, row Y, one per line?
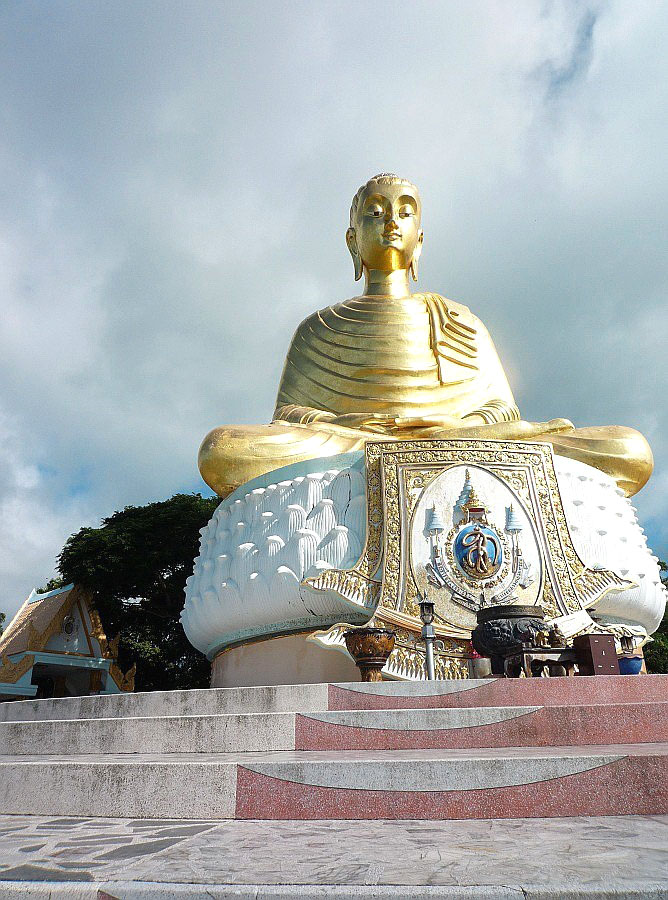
column 381, row 178
column 387, row 178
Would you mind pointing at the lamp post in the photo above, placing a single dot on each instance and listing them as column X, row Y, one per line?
column 428, row 634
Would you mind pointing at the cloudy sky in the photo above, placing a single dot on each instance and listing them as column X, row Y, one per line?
column 174, row 191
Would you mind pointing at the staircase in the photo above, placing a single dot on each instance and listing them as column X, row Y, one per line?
column 496, row 748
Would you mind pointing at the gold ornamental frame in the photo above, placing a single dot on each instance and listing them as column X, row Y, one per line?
column 397, row 474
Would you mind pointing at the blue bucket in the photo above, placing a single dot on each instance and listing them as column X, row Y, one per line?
column 630, row 665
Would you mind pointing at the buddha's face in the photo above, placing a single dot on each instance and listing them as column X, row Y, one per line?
column 386, row 232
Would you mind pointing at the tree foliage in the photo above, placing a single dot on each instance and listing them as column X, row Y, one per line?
column 656, row 653
column 51, row 585
column 136, row 563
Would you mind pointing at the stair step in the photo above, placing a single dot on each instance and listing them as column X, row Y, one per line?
column 426, row 784
column 486, row 726
column 451, row 749
column 579, row 690
column 162, row 734
column 354, row 695
column 209, row 701
column 381, row 729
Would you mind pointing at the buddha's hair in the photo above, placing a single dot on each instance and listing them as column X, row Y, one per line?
column 382, row 178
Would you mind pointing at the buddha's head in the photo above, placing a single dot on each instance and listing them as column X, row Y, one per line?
column 385, row 232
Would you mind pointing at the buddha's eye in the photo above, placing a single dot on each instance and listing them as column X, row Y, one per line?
column 405, row 212
column 375, row 211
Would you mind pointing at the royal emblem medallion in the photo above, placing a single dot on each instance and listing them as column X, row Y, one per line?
column 479, row 563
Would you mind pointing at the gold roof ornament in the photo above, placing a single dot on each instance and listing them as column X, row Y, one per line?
column 400, row 365
column 473, row 502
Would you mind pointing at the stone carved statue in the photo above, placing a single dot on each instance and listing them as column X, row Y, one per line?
column 400, row 365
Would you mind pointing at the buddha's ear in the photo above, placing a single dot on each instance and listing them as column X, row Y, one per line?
column 351, row 242
column 416, row 256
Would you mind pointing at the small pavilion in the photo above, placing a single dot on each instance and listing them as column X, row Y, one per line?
column 55, row 646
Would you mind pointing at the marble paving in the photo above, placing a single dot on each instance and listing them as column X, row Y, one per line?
column 623, row 856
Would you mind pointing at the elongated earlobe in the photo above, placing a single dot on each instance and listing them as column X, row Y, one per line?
column 351, row 242
column 413, row 268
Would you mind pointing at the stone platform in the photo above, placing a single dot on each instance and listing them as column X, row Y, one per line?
column 47, row 858
column 398, row 750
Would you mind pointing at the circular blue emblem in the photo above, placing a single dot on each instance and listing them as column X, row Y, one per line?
column 478, row 551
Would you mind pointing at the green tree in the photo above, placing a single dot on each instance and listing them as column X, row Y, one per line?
column 51, row 585
column 2, row 622
column 136, row 563
column 656, row 653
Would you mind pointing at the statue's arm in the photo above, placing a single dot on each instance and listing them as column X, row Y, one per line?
column 294, row 386
column 307, row 415
column 498, row 402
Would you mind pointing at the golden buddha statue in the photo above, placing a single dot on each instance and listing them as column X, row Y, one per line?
column 399, row 365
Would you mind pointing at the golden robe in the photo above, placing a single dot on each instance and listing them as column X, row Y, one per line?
column 417, row 355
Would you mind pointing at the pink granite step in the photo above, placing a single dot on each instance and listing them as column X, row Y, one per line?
column 471, row 728
column 585, row 690
column 515, row 783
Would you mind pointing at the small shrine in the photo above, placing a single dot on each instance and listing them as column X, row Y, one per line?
column 55, row 646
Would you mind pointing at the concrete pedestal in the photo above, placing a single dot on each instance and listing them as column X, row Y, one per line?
column 291, row 659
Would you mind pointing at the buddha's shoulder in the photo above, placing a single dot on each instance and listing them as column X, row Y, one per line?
column 333, row 309
column 364, row 308
column 361, row 310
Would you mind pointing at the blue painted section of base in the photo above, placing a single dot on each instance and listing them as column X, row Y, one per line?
column 66, row 659
column 24, row 687
column 17, row 690
column 281, row 629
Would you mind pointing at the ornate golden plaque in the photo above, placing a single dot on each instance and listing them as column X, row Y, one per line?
column 472, row 524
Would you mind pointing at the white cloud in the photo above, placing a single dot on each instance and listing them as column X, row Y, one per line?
column 175, row 186
column 33, row 518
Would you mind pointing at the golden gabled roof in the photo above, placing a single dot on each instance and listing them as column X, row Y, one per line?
column 39, row 619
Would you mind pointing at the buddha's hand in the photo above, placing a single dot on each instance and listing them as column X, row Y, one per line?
column 382, row 423
column 556, row 426
column 433, row 421
column 473, row 422
column 377, row 423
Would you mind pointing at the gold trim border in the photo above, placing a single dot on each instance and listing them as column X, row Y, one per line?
column 568, row 584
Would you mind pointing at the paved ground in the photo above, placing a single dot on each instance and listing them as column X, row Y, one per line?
column 622, row 857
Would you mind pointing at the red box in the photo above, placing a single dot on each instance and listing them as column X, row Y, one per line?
column 596, row 654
